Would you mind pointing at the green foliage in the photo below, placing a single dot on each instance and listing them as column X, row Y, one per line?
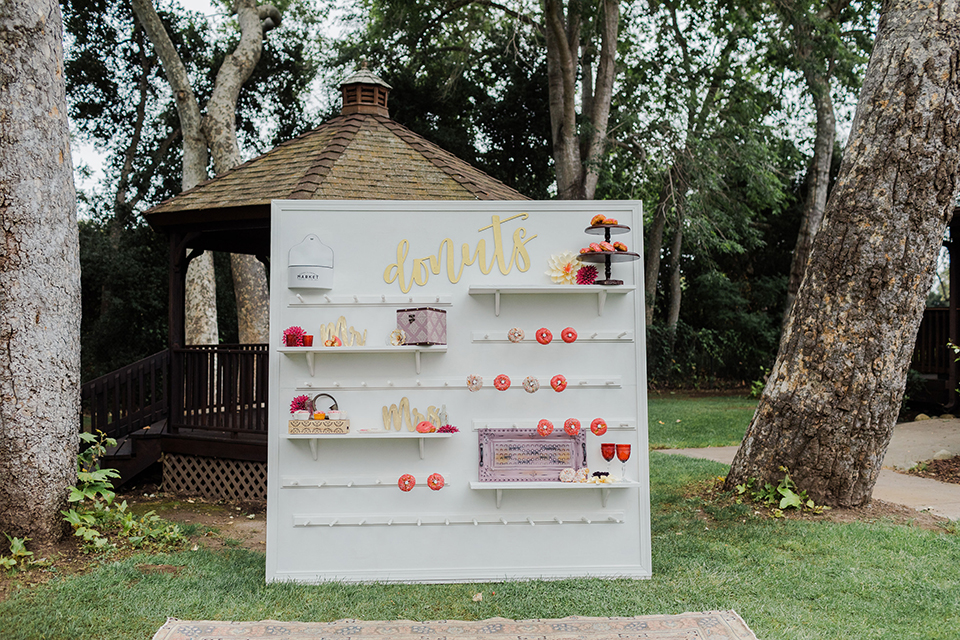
column 19, row 558
column 120, row 102
column 785, row 495
column 102, row 525
column 467, row 77
column 124, row 301
column 757, row 386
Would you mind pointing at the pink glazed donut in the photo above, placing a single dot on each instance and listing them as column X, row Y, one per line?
column 545, row 428
column 501, row 382
column 435, row 481
column 572, row 426
column 598, row 427
column 406, row 482
column 558, row 382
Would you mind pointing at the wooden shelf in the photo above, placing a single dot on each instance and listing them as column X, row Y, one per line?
column 312, row 352
column 600, row 291
column 315, row 438
column 605, row 489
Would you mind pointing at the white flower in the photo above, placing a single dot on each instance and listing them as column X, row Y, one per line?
column 563, row 267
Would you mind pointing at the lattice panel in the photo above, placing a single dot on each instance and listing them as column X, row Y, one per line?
column 214, row 477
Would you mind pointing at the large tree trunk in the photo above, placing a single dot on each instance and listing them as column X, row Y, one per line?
column 220, row 130
column 577, row 150
column 201, row 299
column 817, row 183
column 39, row 275
column 833, row 396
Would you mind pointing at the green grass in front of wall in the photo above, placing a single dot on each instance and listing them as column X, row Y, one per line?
column 788, row 579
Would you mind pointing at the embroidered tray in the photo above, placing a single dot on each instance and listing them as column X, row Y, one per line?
column 523, row 455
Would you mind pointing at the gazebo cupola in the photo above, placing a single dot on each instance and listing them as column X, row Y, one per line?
column 364, row 92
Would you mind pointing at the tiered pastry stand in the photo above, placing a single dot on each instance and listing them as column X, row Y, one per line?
column 608, row 257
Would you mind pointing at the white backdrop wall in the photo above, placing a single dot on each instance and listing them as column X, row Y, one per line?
column 320, row 529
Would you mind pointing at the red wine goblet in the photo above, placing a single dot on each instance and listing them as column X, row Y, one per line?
column 608, row 450
column 623, row 454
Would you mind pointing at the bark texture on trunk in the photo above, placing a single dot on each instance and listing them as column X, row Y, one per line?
column 833, row 396
column 39, row 275
column 253, row 298
column 201, row 286
column 220, row 130
column 818, row 183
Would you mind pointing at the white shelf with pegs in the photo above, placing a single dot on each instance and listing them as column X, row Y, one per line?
column 311, row 353
column 327, row 520
column 600, row 291
column 291, row 482
column 316, row 438
column 313, row 300
column 531, row 423
column 604, row 488
column 531, row 337
column 606, row 382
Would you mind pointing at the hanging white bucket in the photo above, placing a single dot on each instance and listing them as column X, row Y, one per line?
column 310, row 265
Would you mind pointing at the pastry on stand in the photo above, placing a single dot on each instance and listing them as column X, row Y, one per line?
column 607, row 228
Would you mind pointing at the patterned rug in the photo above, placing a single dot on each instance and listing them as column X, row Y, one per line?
column 710, row 625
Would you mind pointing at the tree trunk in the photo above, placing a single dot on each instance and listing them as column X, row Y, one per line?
column 818, row 183
column 201, row 287
column 651, row 269
column 673, row 312
column 577, row 151
column 654, row 242
column 39, row 275
column 220, row 131
column 676, row 248
column 833, row 396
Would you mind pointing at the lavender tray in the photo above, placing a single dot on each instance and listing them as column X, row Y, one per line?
column 523, row 455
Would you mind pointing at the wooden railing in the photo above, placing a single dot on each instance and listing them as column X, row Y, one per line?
column 128, row 399
column 221, row 388
column 931, row 354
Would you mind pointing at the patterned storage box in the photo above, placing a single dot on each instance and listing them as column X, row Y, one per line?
column 518, row 455
column 423, row 325
column 312, row 427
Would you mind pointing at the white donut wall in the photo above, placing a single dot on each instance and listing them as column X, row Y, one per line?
column 335, row 511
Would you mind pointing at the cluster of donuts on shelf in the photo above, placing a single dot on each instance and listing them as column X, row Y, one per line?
column 543, row 335
column 600, row 247
column 571, row 427
column 406, row 482
column 530, row 384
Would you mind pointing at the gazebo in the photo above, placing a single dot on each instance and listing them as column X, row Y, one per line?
column 204, row 407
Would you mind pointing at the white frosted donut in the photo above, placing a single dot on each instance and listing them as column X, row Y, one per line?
column 568, row 475
column 474, row 382
column 531, row 384
column 515, row 335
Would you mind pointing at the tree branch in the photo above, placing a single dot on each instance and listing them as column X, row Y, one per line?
column 194, row 146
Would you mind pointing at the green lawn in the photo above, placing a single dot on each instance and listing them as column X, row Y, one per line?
column 788, row 579
column 678, row 421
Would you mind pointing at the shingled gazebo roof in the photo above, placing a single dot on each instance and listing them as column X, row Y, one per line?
column 357, row 155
